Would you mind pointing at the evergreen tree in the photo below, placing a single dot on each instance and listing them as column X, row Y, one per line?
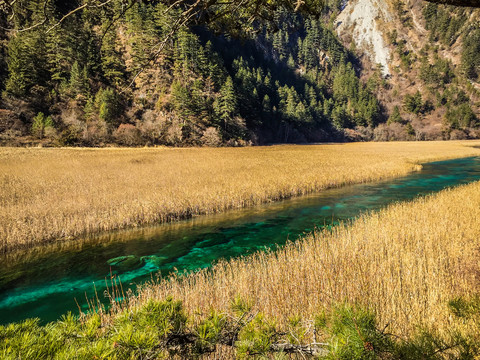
column 413, row 103
column 59, row 54
column 113, row 67
column 266, row 104
column 19, row 68
column 395, row 116
column 78, row 84
column 26, row 63
column 40, row 124
column 471, row 55
column 227, row 103
column 109, row 106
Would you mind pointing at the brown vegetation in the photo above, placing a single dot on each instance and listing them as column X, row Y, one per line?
column 52, row 194
column 405, row 262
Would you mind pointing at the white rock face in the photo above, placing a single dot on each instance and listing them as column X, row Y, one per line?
column 362, row 16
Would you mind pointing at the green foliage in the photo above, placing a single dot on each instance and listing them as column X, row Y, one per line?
column 133, row 334
column 78, row 84
column 395, row 116
column 407, row 57
column 160, row 329
column 352, row 333
column 424, row 345
column 199, row 82
column 296, row 331
column 164, row 317
column 289, row 79
column 409, row 129
column 467, row 312
column 26, row 64
column 108, row 105
column 355, row 102
column 444, row 22
column 461, row 117
column 437, row 74
column 28, row 340
column 112, row 65
column 471, row 54
column 208, row 332
column 465, row 308
column 226, row 105
column 241, row 306
column 256, row 337
column 40, row 124
column 399, row 8
column 413, row 103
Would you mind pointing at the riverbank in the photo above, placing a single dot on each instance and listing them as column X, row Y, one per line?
column 405, row 262
column 52, row 194
column 410, row 270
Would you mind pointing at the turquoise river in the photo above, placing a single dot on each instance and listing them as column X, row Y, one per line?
column 47, row 282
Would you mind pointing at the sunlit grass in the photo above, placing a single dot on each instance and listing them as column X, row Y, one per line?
column 404, row 262
column 52, row 194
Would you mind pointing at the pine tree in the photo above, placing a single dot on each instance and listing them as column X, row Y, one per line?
column 19, row 68
column 113, row 67
column 59, row 54
column 227, row 103
column 109, row 106
column 26, row 63
column 471, row 55
column 266, row 104
column 40, row 124
column 291, row 103
column 395, row 116
column 413, row 103
column 78, row 84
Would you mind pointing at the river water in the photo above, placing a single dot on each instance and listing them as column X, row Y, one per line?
column 50, row 281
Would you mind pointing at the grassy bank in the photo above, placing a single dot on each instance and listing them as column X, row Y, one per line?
column 404, row 262
column 410, row 266
column 52, row 194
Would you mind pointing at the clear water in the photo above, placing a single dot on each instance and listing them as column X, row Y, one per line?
column 45, row 282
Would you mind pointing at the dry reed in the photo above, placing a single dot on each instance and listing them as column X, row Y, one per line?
column 405, row 262
column 52, row 194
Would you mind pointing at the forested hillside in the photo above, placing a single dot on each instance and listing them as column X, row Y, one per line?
column 434, row 86
column 119, row 74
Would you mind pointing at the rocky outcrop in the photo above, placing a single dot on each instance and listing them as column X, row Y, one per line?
column 360, row 19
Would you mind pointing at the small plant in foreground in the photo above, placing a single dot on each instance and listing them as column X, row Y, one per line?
column 352, row 333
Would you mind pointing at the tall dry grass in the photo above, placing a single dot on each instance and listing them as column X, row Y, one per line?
column 51, row 194
column 405, row 262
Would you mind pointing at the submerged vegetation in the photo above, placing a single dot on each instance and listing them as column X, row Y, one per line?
column 52, row 194
column 411, row 270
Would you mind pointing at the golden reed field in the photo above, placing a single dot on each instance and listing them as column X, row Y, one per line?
column 52, row 194
column 404, row 262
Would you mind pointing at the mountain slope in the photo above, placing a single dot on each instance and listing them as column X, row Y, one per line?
column 93, row 81
column 433, row 89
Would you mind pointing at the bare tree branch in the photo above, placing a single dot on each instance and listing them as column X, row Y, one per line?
column 86, row 5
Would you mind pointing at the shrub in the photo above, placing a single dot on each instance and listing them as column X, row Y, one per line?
column 256, row 337
column 211, row 137
column 128, row 135
column 352, row 333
